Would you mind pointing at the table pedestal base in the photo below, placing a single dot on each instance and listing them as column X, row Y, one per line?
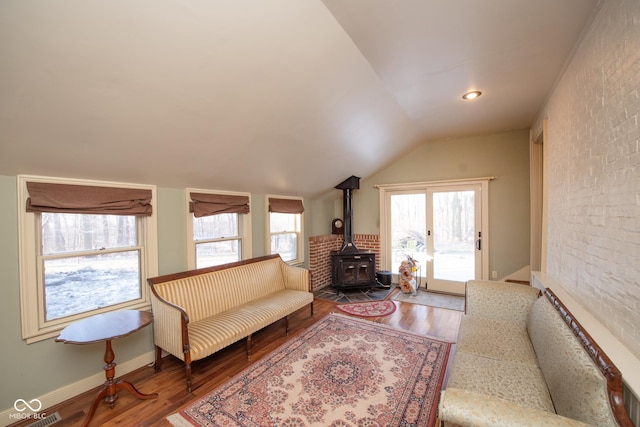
column 109, row 393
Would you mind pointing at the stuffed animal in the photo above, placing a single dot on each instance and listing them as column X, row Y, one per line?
column 406, row 281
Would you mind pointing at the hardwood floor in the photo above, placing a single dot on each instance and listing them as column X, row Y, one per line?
column 218, row 368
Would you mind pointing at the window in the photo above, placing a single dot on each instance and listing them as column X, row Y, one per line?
column 219, row 227
column 77, row 260
column 88, row 262
column 285, row 228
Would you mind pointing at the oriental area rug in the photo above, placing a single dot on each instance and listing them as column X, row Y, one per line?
column 368, row 309
column 342, row 371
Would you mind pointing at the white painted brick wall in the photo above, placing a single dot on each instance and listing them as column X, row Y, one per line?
column 592, row 154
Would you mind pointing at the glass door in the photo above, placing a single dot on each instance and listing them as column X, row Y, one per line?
column 441, row 227
column 454, row 237
column 409, row 230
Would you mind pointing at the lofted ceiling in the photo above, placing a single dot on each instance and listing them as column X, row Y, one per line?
column 283, row 96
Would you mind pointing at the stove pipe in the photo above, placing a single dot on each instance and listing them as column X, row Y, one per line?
column 347, row 187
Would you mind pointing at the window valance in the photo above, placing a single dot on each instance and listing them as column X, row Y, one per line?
column 86, row 199
column 293, row 206
column 203, row 204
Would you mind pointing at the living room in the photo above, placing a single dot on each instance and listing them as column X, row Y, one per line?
column 587, row 123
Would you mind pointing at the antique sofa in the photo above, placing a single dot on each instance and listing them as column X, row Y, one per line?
column 522, row 359
column 199, row 312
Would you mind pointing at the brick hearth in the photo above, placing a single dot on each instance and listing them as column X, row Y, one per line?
column 320, row 248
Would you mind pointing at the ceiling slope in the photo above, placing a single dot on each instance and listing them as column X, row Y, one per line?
column 429, row 53
column 284, row 97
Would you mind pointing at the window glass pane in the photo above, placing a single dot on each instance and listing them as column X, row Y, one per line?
column 408, row 229
column 215, row 226
column 286, row 245
column 78, row 284
column 281, row 222
column 216, row 253
column 80, row 232
column 454, row 235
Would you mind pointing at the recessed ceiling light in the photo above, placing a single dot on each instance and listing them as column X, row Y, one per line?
column 472, row 95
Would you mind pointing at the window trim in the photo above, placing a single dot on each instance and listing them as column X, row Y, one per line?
column 33, row 326
column 244, row 224
column 300, row 256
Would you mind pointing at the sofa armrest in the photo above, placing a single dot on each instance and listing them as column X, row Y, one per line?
column 169, row 327
column 295, row 278
column 499, row 300
column 464, row 408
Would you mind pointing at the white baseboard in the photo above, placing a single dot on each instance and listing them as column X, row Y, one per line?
column 54, row 397
column 523, row 274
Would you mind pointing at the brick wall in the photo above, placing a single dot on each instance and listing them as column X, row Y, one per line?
column 320, row 248
column 592, row 167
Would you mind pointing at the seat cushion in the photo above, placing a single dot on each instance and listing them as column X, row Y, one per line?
column 519, row 383
column 496, row 339
column 211, row 334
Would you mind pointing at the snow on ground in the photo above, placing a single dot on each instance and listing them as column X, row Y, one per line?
column 86, row 284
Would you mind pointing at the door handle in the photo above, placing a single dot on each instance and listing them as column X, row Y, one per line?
column 479, row 244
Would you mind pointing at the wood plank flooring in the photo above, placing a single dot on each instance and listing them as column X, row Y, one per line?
column 218, row 368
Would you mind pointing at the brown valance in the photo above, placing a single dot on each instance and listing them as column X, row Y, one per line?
column 286, row 205
column 86, row 199
column 203, row 204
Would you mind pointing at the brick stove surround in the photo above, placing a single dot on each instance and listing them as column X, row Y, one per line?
column 321, row 247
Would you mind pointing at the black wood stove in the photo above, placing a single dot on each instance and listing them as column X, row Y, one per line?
column 350, row 267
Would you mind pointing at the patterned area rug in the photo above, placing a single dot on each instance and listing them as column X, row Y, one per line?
column 451, row 302
column 368, row 309
column 340, row 372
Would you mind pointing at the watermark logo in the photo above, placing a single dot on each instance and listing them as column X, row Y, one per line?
column 22, row 406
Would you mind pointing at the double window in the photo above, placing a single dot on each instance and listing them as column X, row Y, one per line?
column 85, row 248
column 219, row 227
column 285, row 227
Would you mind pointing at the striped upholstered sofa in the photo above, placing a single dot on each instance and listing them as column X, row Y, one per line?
column 199, row 312
column 523, row 360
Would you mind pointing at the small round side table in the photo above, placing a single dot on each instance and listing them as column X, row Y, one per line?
column 106, row 327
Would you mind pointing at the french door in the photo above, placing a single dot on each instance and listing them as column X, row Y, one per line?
column 454, row 237
column 441, row 227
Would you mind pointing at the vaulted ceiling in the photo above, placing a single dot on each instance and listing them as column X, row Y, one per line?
column 281, row 96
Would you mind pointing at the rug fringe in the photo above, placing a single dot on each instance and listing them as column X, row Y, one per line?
column 177, row 420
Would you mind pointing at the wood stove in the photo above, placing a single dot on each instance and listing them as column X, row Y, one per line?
column 350, row 267
column 353, row 270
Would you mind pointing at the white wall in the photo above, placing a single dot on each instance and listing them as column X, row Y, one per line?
column 592, row 172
